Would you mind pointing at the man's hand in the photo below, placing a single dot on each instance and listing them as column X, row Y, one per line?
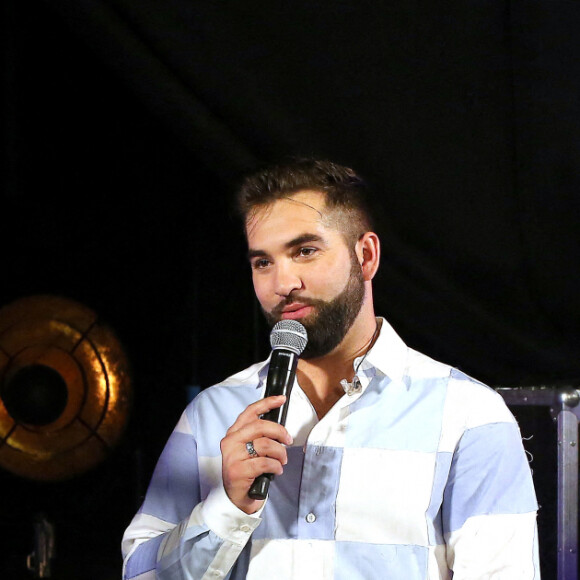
column 239, row 468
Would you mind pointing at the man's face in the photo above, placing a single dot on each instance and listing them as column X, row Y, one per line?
column 302, row 269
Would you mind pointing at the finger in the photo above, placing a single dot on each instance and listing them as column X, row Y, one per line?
column 246, row 471
column 267, row 448
column 261, row 428
column 256, row 409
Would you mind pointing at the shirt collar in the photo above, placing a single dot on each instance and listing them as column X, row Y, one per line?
column 388, row 355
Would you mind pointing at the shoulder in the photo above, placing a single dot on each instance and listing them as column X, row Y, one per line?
column 477, row 403
column 468, row 397
column 221, row 403
column 475, row 410
column 465, row 404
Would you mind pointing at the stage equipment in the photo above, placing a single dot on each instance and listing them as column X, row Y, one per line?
column 565, row 410
column 65, row 388
column 39, row 561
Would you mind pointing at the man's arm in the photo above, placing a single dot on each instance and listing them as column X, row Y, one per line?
column 207, row 544
column 489, row 505
column 182, row 531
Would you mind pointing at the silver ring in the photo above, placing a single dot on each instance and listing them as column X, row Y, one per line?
column 250, row 449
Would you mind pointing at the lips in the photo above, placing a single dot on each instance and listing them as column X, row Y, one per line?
column 295, row 311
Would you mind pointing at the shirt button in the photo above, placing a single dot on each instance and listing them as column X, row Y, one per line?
column 245, row 528
column 310, row 518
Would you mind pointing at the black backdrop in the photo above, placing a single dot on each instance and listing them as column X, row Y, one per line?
column 127, row 125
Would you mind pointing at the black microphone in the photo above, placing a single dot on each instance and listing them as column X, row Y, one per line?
column 288, row 339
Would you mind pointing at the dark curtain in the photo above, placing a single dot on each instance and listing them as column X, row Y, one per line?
column 464, row 118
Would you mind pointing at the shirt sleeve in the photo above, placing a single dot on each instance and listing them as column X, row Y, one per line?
column 489, row 506
column 177, row 534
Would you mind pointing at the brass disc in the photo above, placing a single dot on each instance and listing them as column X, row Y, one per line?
column 65, row 388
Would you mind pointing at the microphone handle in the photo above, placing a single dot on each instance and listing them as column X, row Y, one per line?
column 281, row 374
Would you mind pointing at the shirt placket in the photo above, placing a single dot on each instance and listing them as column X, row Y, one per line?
column 320, row 480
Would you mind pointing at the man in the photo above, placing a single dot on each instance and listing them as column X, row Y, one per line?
column 391, row 465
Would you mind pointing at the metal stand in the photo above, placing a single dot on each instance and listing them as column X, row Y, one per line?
column 39, row 561
column 565, row 409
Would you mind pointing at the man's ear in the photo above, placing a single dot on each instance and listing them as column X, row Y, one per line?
column 368, row 251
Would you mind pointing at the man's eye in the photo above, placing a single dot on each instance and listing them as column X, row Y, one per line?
column 260, row 264
column 306, row 252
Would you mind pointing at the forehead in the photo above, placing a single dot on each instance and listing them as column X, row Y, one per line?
column 305, row 210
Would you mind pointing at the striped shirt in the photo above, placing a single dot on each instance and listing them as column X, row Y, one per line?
column 419, row 476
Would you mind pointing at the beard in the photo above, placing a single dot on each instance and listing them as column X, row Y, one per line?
column 332, row 319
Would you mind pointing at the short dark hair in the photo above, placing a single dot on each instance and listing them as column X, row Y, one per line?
column 343, row 189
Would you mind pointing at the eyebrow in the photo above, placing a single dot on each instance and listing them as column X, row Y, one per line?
column 297, row 241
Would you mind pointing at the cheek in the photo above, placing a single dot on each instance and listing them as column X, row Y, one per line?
column 260, row 289
column 328, row 282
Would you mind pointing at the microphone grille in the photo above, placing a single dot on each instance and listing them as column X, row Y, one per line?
column 290, row 335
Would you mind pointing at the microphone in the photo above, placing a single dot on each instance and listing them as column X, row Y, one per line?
column 288, row 339
column 351, row 388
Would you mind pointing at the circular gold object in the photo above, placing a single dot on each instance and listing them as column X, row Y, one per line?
column 65, row 389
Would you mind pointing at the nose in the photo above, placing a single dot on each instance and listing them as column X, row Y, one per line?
column 286, row 279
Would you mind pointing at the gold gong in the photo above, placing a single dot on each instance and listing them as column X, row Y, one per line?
column 65, row 389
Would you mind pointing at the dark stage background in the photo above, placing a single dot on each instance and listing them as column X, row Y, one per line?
column 127, row 125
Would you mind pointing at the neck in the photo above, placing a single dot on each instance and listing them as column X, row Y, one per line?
column 320, row 377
